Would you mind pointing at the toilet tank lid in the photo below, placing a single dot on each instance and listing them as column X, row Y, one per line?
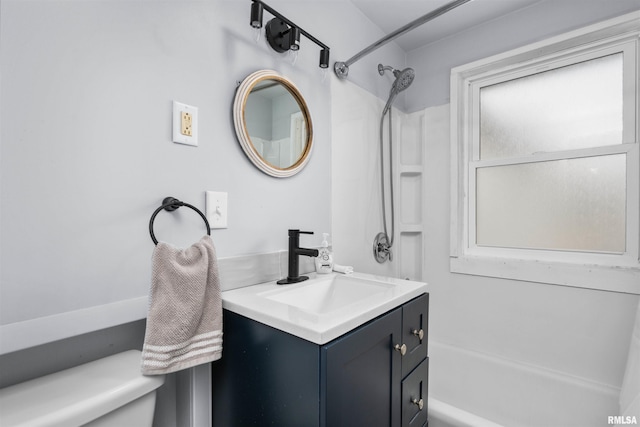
column 77, row 395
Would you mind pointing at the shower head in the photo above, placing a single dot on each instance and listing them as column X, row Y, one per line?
column 403, row 80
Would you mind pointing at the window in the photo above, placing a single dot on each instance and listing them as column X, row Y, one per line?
column 545, row 161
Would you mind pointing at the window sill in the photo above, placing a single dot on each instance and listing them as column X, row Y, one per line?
column 606, row 278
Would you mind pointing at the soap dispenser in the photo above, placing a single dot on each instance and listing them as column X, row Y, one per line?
column 324, row 260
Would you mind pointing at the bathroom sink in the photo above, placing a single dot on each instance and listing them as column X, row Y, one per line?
column 327, row 294
column 323, row 307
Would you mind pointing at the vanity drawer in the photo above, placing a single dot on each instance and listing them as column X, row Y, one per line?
column 415, row 322
column 415, row 389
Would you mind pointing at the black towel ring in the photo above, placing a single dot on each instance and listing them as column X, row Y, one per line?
column 170, row 204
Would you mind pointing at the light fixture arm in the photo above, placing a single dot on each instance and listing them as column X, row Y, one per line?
column 324, row 53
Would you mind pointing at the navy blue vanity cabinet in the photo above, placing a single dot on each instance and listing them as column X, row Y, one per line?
column 415, row 316
column 267, row 377
column 368, row 379
column 415, row 363
column 361, row 375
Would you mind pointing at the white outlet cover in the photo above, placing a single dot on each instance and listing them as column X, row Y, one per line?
column 177, row 135
column 216, row 209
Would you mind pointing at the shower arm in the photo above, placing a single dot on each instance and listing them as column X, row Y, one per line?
column 342, row 68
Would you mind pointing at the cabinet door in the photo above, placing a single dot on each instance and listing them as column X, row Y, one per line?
column 414, row 396
column 266, row 377
column 360, row 381
column 415, row 318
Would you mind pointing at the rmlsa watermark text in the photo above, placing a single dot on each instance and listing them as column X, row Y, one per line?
column 622, row 419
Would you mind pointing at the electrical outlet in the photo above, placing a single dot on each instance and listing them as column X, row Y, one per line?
column 216, row 209
column 185, row 124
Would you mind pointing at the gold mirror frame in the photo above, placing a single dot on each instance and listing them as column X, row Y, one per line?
column 239, row 121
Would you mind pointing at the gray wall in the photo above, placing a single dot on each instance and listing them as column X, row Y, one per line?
column 539, row 21
column 86, row 149
column 87, row 153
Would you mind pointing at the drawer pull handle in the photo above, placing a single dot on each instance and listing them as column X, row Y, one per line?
column 418, row 333
column 420, row 403
column 401, row 348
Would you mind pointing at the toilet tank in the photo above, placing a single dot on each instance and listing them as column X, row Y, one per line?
column 106, row 392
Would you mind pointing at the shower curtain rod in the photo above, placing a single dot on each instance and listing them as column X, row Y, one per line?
column 342, row 68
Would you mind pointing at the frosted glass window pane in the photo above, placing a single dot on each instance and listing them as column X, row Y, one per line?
column 577, row 106
column 573, row 204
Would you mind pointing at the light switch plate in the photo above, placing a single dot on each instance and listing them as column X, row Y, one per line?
column 216, row 209
column 185, row 121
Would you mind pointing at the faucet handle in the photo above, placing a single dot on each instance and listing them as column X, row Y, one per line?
column 296, row 232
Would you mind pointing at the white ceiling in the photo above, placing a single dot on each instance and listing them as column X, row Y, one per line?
column 390, row 15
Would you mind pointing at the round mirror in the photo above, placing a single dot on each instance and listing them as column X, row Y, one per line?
column 273, row 123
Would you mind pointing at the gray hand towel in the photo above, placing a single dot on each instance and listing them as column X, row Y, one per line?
column 184, row 324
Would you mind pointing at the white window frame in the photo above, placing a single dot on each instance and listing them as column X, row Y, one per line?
column 618, row 272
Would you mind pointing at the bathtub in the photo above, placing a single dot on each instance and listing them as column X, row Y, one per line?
column 472, row 389
column 444, row 415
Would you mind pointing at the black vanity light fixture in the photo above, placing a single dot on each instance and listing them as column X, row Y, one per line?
column 282, row 34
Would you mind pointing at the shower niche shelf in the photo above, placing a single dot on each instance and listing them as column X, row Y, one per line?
column 411, row 198
column 411, row 169
column 411, row 250
column 410, row 188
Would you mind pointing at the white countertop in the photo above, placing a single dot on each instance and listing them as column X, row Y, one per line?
column 295, row 308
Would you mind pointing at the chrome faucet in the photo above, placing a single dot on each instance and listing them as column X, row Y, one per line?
column 294, row 251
